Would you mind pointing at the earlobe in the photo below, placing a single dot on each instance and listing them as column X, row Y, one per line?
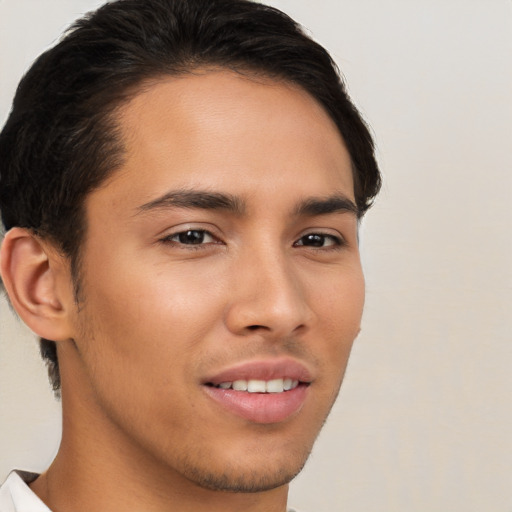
column 31, row 270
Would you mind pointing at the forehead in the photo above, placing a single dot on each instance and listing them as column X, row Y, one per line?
column 221, row 129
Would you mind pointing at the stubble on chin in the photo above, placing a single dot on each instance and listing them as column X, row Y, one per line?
column 244, row 479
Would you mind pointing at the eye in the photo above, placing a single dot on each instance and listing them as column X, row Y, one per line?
column 191, row 237
column 319, row 240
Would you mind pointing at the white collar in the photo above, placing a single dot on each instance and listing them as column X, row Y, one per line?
column 16, row 495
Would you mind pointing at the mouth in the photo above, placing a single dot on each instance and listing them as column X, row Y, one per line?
column 261, row 392
column 260, row 386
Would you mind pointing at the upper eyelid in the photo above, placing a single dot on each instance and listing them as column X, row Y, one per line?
column 189, row 226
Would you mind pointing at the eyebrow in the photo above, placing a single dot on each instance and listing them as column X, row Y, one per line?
column 337, row 203
column 196, row 199
column 206, row 200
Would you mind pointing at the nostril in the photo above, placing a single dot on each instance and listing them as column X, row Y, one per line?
column 255, row 327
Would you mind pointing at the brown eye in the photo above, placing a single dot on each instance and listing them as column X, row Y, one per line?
column 318, row 240
column 191, row 237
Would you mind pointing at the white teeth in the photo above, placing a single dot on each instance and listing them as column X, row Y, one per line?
column 275, row 386
column 256, row 386
column 261, row 386
column 240, row 385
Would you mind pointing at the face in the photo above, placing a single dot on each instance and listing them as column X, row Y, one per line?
column 222, row 286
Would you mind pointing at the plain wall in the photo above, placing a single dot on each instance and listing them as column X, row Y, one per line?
column 424, row 420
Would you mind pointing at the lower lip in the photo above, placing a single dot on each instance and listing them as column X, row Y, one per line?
column 260, row 407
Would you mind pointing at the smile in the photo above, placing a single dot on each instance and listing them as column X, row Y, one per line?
column 265, row 391
column 260, row 386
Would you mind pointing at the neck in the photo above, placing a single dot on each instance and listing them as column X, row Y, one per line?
column 63, row 490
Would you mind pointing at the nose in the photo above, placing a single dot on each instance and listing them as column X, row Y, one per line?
column 268, row 296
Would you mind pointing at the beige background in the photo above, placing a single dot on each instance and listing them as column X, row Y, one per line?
column 424, row 421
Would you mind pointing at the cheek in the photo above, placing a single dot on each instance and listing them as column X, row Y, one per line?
column 138, row 323
column 140, row 340
column 339, row 312
column 339, row 304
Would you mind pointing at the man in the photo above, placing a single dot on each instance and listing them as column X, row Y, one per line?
column 181, row 183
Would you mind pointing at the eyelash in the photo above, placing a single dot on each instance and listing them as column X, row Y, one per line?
column 337, row 242
column 169, row 238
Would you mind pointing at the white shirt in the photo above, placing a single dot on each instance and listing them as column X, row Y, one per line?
column 16, row 495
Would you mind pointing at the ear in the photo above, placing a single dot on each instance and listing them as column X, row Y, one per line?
column 38, row 283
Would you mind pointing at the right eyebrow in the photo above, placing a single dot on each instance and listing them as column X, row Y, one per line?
column 195, row 199
column 337, row 203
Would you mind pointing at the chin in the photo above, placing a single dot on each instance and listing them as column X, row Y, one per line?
column 246, row 475
column 247, row 482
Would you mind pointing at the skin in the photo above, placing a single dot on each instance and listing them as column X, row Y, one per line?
column 158, row 315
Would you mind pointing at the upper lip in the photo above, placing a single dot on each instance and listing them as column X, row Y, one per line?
column 262, row 369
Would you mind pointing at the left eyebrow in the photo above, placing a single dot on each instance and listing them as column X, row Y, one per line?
column 337, row 203
column 202, row 200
